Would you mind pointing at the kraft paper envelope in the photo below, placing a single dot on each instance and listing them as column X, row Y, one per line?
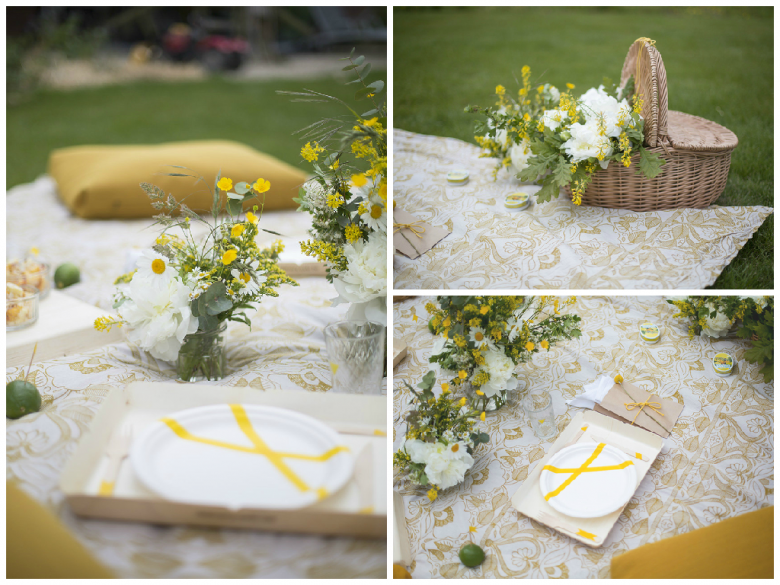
column 399, row 351
column 412, row 244
column 614, row 405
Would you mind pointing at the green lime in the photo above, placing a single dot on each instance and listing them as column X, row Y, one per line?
column 471, row 555
column 430, row 326
column 66, row 275
column 21, row 398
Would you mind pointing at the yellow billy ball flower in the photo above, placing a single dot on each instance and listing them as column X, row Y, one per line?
column 158, row 266
column 237, row 230
column 229, row 256
column 251, row 217
column 545, row 344
column 529, row 346
column 618, row 379
column 359, row 180
column 225, row 184
column 261, row 185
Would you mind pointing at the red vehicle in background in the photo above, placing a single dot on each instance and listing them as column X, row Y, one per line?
column 217, row 52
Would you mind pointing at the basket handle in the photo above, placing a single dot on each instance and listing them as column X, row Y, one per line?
column 644, row 62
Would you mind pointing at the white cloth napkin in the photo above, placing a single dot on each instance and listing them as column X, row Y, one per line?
column 593, row 393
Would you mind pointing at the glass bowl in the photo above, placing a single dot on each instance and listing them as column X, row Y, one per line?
column 30, row 272
column 21, row 306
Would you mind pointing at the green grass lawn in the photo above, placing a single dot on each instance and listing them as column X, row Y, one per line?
column 719, row 65
column 142, row 113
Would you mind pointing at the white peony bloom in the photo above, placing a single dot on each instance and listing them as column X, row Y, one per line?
column 446, row 465
column 592, row 94
column 614, row 114
column 555, row 94
column 519, row 154
column 158, row 318
column 717, row 327
column 554, row 118
column 760, row 301
column 501, row 370
column 374, row 310
column 586, row 142
column 501, row 137
column 366, row 276
column 154, row 268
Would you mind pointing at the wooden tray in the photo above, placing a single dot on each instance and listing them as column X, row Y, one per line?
column 361, row 421
column 65, row 326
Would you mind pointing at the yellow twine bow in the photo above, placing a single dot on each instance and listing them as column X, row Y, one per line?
column 638, row 80
column 417, row 230
column 641, row 405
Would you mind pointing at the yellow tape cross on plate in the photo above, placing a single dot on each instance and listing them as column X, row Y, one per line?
column 259, row 447
column 584, row 468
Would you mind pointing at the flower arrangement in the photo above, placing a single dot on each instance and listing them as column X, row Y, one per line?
column 183, row 291
column 348, row 197
column 716, row 316
column 483, row 339
column 440, row 439
column 566, row 144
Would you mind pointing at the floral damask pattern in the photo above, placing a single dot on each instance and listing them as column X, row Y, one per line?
column 550, row 245
column 717, row 463
column 285, row 349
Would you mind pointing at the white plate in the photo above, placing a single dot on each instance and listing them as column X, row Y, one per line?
column 184, row 470
column 593, row 493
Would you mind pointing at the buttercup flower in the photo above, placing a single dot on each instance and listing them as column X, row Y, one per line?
column 229, row 256
column 225, row 184
column 261, row 185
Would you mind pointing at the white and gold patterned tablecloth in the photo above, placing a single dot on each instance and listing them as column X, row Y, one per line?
column 550, row 245
column 285, row 349
column 717, row 463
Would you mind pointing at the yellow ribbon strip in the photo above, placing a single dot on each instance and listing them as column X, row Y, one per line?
column 641, row 405
column 581, row 532
column 575, row 474
column 589, row 469
column 259, row 447
column 417, row 230
column 638, row 79
column 106, row 488
column 379, row 433
column 639, row 456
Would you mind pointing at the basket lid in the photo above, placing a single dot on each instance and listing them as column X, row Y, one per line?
column 644, row 62
column 687, row 132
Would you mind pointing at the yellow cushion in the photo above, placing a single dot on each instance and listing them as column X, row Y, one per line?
column 38, row 546
column 736, row 548
column 101, row 182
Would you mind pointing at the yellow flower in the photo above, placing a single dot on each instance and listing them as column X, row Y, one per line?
column 480, row 393
column 618, row 379
column 432, row 494
column 463, row 401
column 462, row 375
column 158, row 266
column 529, row 346
column 261, row 185
column 570, row 85
column 335, row 200
column 225, row 184
column 311, row 152
column 545, row 344
column 229, row 256
column 484, row 310
column 414, row 318
column 445, row 388
column 352, row 233
column 251, row 217
column 335, row 165
column 482, row 416
column 540, row 89
column 359, row 180
column 237, row 230
column 472, row 529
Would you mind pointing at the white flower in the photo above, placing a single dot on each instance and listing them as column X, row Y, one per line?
column 375, row 214
column 760, row 301
column 154, row 268
column 519, row 154
column 606, row 108
column 251, row 280
column 554, row 118
column 717, row 326
column 586, row 142
column 592, row 94
column 513, row 326
column 501, row 370
column 445, row 465
column 158, row 318
column 556, row 95
column 366, row 276
column 479, row 337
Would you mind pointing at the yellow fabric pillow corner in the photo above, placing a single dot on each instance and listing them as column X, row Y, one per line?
column 102, row 182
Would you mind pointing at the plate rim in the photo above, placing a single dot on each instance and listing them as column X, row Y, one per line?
column 594, row 444
column 146, row 477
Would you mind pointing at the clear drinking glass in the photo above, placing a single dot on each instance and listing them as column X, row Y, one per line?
column 538, row 405
column 356, row 350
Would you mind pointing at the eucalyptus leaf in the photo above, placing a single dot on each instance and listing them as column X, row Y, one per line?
column 359, row 60
column 234, row 207
column 207, row 322
column 241, row 188
column 235, row 196
column 377, row 86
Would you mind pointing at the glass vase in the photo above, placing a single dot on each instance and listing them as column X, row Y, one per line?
column 202, row 356
column 356, row 350
column 488, row 403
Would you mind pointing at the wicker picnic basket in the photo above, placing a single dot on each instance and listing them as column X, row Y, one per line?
column 697, row 151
